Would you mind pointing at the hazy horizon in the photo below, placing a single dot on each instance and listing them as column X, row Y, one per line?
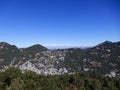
column 53, row 46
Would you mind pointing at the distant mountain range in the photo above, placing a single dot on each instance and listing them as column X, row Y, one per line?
column 103, row 58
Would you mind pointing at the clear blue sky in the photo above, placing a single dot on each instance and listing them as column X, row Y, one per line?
column 59, row 22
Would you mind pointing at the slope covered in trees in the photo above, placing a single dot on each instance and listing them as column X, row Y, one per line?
column 13, row 79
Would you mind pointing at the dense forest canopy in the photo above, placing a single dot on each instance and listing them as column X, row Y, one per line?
column 14, row 79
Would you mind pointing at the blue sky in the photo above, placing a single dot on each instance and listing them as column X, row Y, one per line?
column 59, row 22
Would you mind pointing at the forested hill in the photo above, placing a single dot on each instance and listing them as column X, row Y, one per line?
column 13, row 79
column 103, row 58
